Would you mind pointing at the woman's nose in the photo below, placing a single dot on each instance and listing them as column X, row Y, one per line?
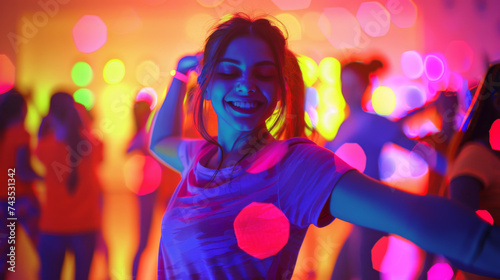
column 245, row 86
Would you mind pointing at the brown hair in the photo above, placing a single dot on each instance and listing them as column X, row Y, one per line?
column 291, row 101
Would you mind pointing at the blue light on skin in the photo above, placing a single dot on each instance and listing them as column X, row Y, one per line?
column 247, row 72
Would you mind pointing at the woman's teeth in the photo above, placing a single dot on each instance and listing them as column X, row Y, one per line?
column 245, row 105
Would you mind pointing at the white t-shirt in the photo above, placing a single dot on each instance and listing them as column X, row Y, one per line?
column 206, row 235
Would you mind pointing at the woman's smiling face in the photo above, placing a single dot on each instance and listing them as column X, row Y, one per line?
column 245, row 85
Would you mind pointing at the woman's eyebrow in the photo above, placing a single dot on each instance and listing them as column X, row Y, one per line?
column 230, row 60
column 237, row 62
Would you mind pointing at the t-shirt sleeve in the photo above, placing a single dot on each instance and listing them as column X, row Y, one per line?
column 307, row 178
column 474, row 160
column 187, row 151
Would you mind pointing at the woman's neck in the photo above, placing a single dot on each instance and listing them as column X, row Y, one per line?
column 239, row 145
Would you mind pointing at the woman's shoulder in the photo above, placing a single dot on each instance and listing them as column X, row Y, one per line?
column 300, row 147
column 297, row 141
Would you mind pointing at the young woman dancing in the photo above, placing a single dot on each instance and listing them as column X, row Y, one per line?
column 254, row 174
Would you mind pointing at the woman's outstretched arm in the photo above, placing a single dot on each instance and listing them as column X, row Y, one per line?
column 167, row 128
column 436, row 224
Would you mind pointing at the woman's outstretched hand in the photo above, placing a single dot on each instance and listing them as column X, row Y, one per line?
column 189, row 63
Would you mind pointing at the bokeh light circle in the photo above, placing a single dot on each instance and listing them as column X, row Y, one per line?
column 433, row 67
column 85, row 97
column 7, row 73
column 114, row 71
column 383, row 100
column 329, row 70
column 89, row 33
column 403, row 12
column 495, row 135
column 261, row 229
column 309, row 69
column 352, row 154
column 312, row 97
column 374, row 19
column 414, row 96
column 378, row 252
column 412, row 64
column 149, row 95
column 440, row 271
column 82, row 74
column 486, row 216
column 142, row 174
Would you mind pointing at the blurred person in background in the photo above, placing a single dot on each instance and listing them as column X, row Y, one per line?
column 71, row 215
column 16, row 154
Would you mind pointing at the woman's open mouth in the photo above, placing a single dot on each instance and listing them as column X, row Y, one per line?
column 245, row 107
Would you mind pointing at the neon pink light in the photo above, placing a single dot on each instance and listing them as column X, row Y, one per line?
column 495, row 135
column 374, row 19
column 440, row 271
column 148, row 95
column 401, row 260
column 433, row 67
column 378, row 252
column 7, row 73
column 412, row 64
column 352, row 154
column 485, row 215
column 89, row 33
column 403, row 12
column 261, row 229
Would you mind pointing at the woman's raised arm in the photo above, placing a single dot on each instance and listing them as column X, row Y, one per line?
column 167, row 128
column 436, row 224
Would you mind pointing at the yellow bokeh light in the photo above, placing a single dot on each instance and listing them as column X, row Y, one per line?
column 329, row 70
column 308, row 124
column 309, row 69
column 114, row 71
column 330, row 110
column 383, row 100
column 33, row 119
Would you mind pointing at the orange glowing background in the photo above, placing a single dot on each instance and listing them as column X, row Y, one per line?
column 136, row 43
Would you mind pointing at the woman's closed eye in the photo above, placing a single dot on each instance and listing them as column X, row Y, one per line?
column 265, row 73
column 227, row 74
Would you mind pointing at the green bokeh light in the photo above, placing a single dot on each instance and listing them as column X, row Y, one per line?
column 114, row 71
column 85, row 97
column 81, row 74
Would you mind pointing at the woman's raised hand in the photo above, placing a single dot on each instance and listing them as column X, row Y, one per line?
column 189, row 63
